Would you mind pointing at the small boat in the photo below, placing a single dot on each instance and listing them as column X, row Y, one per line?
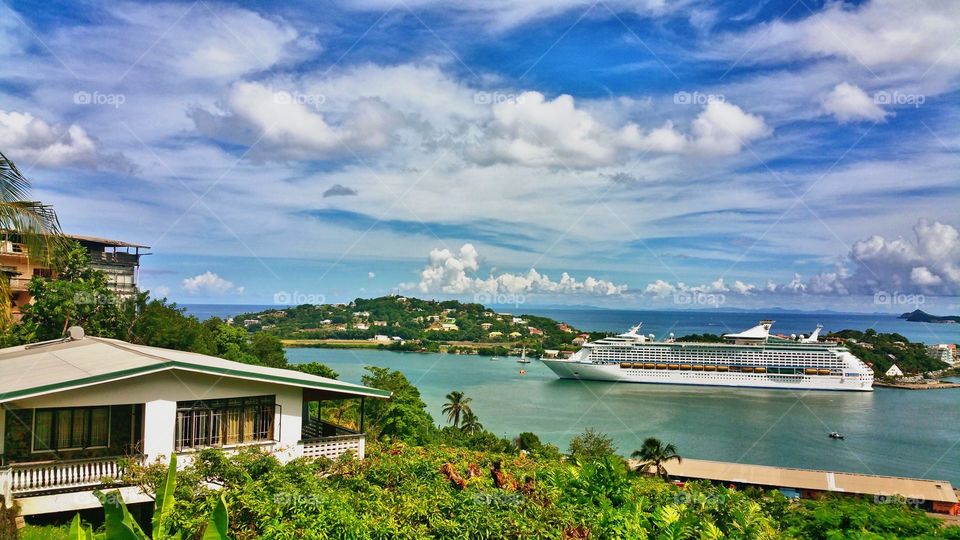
column 523, row 358
column 835, row 435
column 494, row 358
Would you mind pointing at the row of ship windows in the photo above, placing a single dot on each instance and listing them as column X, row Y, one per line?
column 781, row 362
column 663, row 354
column 725, row 369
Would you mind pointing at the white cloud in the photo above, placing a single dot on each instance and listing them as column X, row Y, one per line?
column 160, row 291
column 371, row 275
column 224, row 42
column 876, row 33
column 451, row 273
column 534, row 131
column 849, row 103
column 500, row 15
column 210, row 284
column 28, row 140
column 930, row 264
column 280, row 124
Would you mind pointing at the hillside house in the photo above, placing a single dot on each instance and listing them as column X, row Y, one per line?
column 75, row 410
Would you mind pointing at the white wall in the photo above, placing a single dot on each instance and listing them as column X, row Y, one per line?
column 160, row 393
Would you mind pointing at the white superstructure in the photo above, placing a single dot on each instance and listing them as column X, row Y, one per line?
column 751, row 358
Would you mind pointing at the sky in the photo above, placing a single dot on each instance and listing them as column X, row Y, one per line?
column 642, row 154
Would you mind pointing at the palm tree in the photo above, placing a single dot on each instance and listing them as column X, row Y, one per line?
column 30, row 223
column 470, row 423
column 457, row 405
column 655, row 454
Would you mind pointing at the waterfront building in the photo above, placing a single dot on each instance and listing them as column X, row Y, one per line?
column 894, row 371
column 944, row 352
column 74, row 411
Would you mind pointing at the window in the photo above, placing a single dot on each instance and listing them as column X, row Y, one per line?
column 75, row 428
column 225, row 421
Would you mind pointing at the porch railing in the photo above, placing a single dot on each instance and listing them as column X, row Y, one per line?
column 334, row 447
column 35, row 477
column 323, row 439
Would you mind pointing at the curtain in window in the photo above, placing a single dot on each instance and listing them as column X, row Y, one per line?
column 43, row 430
column 64, row 424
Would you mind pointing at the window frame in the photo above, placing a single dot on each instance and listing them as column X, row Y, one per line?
column 86, row 436
column 264, row 410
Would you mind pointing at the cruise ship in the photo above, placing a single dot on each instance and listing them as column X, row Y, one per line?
column 752, row 358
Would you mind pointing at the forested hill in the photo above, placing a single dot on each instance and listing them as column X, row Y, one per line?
column 414, row 319
column 884, row 350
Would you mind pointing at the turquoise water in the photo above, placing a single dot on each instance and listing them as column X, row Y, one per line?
column 888, row 432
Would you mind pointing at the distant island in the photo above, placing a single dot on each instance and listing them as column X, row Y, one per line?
column 922, row 316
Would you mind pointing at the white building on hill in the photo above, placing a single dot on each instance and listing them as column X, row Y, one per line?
column 72, row 411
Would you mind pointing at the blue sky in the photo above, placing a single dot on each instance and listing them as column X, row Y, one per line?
column 621, row 154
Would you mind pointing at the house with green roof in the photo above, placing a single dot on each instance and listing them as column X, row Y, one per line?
column 74, row 411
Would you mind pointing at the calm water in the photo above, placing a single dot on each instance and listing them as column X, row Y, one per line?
column 889, row 432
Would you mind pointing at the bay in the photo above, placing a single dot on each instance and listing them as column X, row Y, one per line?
column 888, row 432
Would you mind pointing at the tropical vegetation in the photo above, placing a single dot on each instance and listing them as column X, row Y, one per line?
column 440, row 491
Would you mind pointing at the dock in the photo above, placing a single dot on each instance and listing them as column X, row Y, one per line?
column 936, row 496
column 938, row 385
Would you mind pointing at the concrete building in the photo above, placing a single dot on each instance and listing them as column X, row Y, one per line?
column 73, row 411
column 894, row 371
column 945, row 352
column 120, row 261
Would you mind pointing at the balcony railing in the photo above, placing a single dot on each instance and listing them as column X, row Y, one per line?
column 323, row 439
column 22, row 479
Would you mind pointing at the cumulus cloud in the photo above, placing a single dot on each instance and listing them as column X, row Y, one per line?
column 929, row 264
column 451, row 273
column 535, row 131
column 849, row 103
column 210, row 284
column 29, row 140
column 281, row 124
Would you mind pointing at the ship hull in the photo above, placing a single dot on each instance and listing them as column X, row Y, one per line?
column 580, row 370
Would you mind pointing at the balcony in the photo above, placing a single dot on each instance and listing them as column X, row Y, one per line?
column 323, row 439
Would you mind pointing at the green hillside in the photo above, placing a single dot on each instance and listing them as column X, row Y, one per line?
column 884, row 350
column 420, row 324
